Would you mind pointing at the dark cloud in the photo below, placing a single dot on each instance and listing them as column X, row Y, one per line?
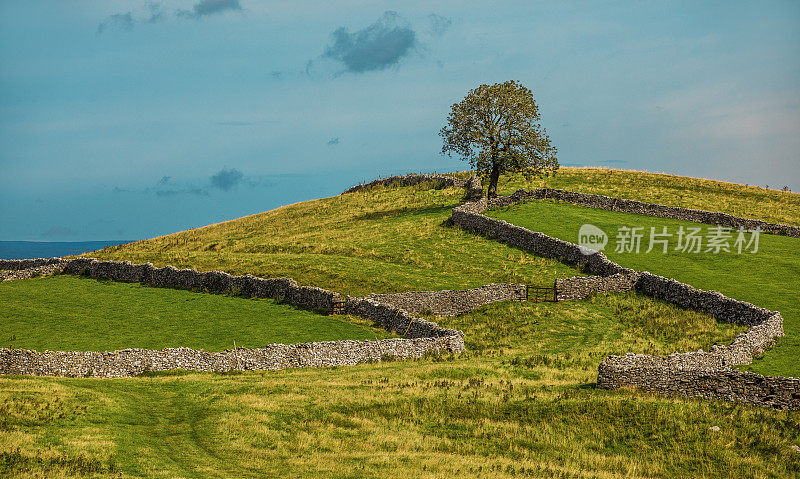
column 376, row 47
column 226, row 179
column 210, row 7
column 333, row 141
column 438, row 24
column 167, row 186
column 122, row 21
column 58, row 231
column 126, row 21
column 156, row 14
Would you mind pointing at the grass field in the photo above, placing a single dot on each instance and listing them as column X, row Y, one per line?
column 520, row 403
column 68, row 313
column 769, row 278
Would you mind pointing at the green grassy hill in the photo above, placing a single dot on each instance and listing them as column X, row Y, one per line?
column 396, row 239
column 520, row 402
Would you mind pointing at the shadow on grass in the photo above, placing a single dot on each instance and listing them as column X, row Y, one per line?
column 405, row 211
column 184, row 372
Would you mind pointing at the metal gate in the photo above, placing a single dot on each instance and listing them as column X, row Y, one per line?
column 541, row 294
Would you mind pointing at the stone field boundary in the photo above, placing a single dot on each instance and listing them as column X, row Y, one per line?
column 702, row 374
column 411, row 180
column 652, row 209
column 420, row 337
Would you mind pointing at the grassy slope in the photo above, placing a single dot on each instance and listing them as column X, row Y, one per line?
column 520, row 402
column 769, row 278
column 386, row 240
column 77, row 314
column 382, row 240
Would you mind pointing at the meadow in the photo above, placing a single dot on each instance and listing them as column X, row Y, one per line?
column 69, row 313
column 520, row 402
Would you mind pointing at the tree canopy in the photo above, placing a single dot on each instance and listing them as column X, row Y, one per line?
column 497, row 129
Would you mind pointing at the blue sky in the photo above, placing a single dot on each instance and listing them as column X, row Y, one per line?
column 126, row 119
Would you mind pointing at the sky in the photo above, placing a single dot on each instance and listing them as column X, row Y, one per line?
column 131, row 119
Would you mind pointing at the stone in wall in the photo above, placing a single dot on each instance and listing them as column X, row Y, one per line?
column 48, row 269
column 19, row 264
column 474, row 189
column 655, row 375
column 284, row 289
column 396, row 319
column 468, row 217
column 718, row 305
column 451, row 303
column 130, row 362
column 579, row 287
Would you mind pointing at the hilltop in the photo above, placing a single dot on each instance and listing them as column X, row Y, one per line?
column 395, row 239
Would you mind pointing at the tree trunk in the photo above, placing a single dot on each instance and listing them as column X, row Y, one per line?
column 493, row 177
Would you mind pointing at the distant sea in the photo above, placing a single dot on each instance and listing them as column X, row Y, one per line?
column 49, row 249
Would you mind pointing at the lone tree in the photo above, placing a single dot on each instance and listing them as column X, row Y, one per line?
column 496, row 128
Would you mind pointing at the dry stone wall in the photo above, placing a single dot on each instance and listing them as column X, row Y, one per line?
column 704, row 374
column 451, row 303
column 130, row 362
column 284, row 289
column 468, row 217
column 32, row 272
column 662, row 376
column 410, row 180
column 396, row 319
column 18, row 264
column 653, row 209
column 420, row 336
column 579, row 287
